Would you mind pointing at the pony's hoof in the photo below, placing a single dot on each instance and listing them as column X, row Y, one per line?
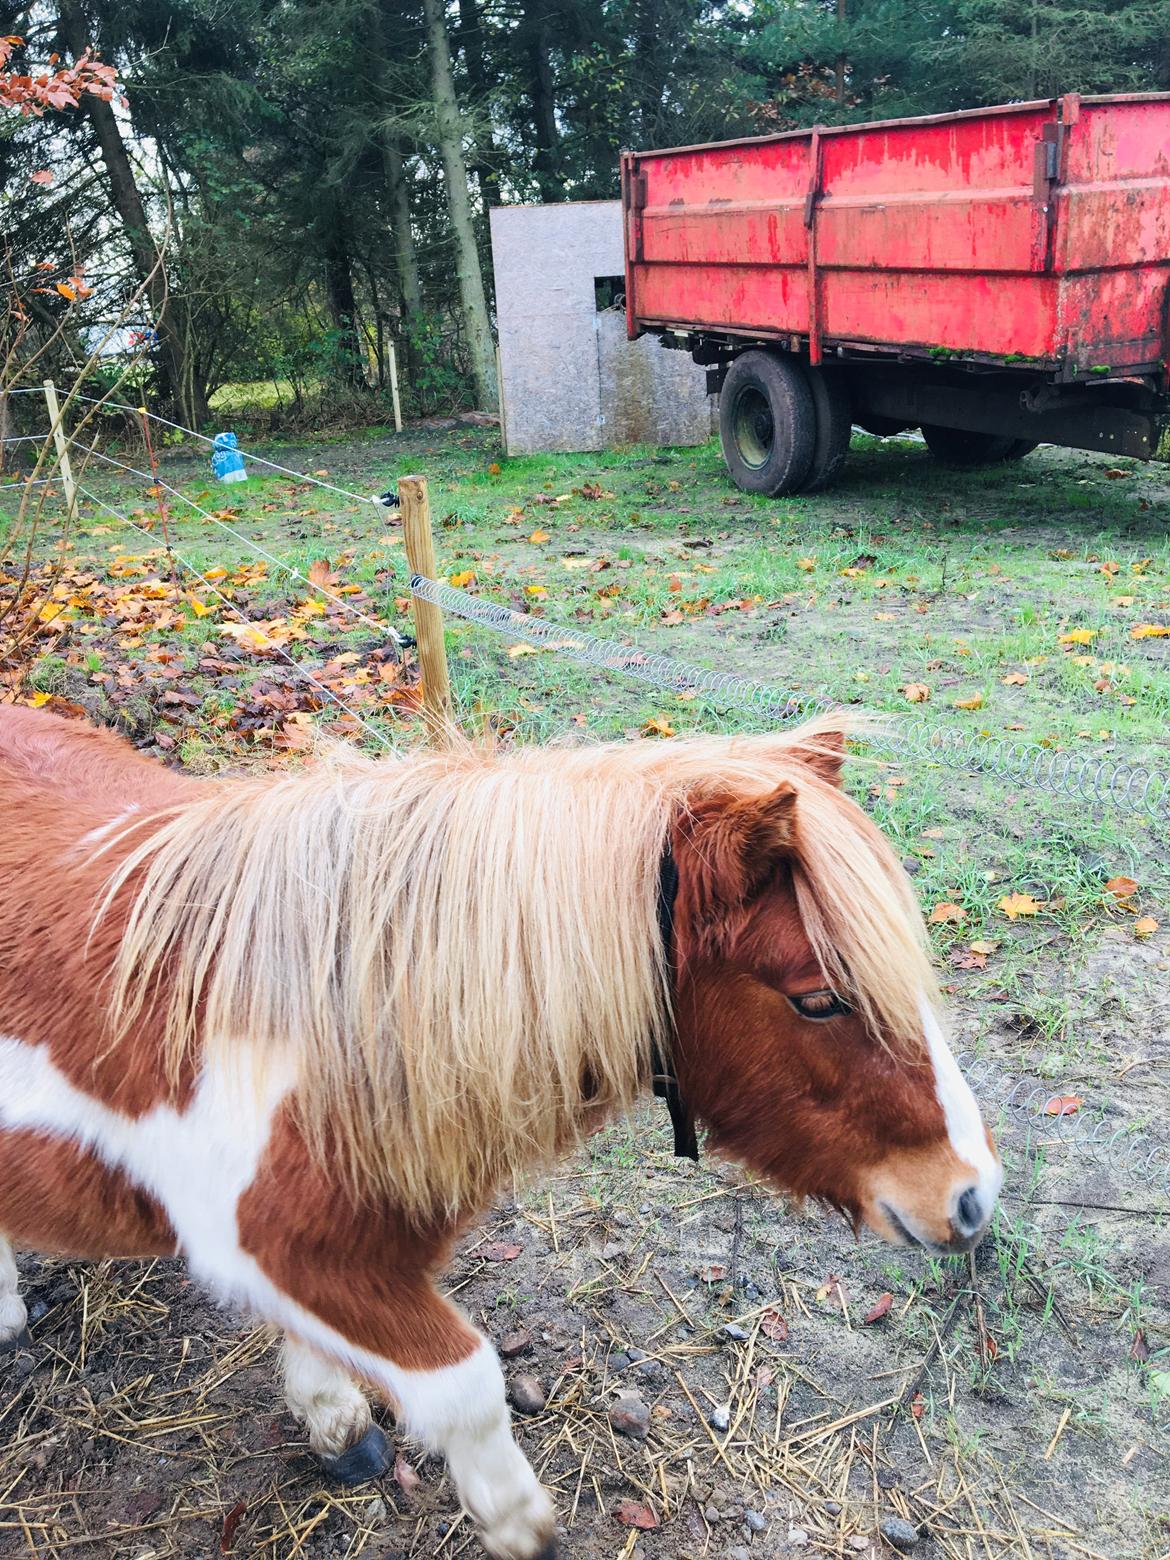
column 549, row 1552
column 366, row 1459
column 22, row 1340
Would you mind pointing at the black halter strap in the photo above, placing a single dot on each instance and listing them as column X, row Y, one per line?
column 663, row 1075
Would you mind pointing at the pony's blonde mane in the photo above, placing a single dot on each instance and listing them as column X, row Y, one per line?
column 459, row 953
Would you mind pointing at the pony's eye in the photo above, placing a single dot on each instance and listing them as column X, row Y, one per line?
column 819, row 1004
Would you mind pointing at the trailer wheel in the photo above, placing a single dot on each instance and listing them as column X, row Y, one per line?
column 834, row 410
column 767, row 423
column 962, row 447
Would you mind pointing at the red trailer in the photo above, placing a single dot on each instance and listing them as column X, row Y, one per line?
column 996, row 278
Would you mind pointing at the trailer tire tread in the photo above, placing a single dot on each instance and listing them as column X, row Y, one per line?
column 834, row 409
column 778, row 386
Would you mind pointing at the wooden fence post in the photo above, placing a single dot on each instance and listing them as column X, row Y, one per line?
column 428, row 618
column 394, row 389
column 62, row 446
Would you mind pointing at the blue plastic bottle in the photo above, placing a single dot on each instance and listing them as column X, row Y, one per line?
column 226, row 460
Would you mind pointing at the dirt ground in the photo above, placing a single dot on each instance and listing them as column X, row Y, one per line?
column 803, row 1390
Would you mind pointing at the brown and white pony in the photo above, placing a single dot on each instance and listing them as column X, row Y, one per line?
column 301, row 1028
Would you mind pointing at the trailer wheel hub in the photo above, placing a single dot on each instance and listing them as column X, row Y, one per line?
column 755, row 432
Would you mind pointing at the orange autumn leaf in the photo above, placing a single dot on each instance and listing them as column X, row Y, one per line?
column 1145, row 926
column 658, row 726
column 66, row 291
column 1063, row 1105
column 1150, row 631
column 1014, row 905
column 880, row 1308
column 975, row 702
column 536, row 590
column 494, row 469
column 947, row 914
column 1122, row 887
column 539, row 536
column 461, row 578
column 916, row 693
column 1078, row 636
column 1014, row 679
column 807, row 564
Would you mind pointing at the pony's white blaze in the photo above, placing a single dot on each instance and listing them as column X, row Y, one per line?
column 196, row 1164
column 965, row 1127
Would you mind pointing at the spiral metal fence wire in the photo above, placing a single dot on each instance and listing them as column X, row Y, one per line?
column 1095, row 780
column 1047, row 1120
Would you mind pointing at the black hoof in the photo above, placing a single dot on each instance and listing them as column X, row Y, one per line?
column 366, row 1459
column 23, row 1340
column 549, row 1552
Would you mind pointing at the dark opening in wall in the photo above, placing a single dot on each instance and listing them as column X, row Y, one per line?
column 609, row 292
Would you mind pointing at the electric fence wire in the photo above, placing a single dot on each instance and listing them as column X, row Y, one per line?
column 322, row 590
column 1098, row 781
column 297, row 667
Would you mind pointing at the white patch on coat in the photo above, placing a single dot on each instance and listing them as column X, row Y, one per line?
column 13, row 1316
column 196, row 1163
column 964, row 1120
column 104, row 830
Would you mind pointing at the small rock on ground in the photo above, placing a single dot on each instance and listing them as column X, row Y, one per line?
column 630, row 1416
column 527, row 1394
column 903, row 1535
column 755, row 1520
column 797, row 1538
column 514, row 1343
column 720, row 1417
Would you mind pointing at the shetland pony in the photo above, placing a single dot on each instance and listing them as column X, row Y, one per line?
column 301, row 1028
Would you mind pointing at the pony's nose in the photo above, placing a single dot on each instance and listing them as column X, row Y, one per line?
column 970, row 1214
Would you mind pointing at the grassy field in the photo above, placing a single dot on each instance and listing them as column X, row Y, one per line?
column 1017, row 1407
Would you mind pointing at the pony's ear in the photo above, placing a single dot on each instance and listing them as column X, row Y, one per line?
column 824, row 754
column 736, row 846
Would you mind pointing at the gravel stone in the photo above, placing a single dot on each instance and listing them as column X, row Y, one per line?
column 712, row 1513
column 756, row 1520
column 903, row 1535
column 797, row 1538
column 527, row 1395
column 514, row 1343
column 630, row 1416
column 736, row 1333
column 719, row 1417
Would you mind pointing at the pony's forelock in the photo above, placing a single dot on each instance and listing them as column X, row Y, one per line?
column 458, row 952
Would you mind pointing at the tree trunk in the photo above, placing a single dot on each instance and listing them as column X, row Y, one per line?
column 405, row 257
column 471, row 42
column 343, row 311
column 175, row 382
column 540, row 90
column 471, row 290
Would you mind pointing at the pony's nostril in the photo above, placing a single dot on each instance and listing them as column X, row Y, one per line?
column 969, row 1213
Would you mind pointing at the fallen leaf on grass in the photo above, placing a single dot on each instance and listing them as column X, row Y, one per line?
column 1149, row 631
column 461, row 578
column 1146, row 926
column 227, row 1534
column 774, row 1326
column 918, row 1405
column 1139, row 1349
column 1014, row 905
column 833, row 1288
column 1077, row 636
column 658, row 726
column 916, row 693
column 975, row 702
column 539, row 536
column 947, row 914
column 516, row 651
column 494, row 469
column 1063, row 1105
column 984, row 948
column 1122, row 887
column 499, row 1251
column 879, row 1309
column 712, row 1272
column 635, row 1516
column 1014, row 679
column 807, row 564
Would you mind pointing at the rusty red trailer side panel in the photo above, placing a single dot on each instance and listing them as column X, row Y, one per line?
column 1037, row 231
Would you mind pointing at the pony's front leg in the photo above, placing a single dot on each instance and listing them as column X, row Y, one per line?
column 336, row 1413
column 459, row 1409
column 13, row 1316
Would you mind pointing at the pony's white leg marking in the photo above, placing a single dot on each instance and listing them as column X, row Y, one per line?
column 325, row 1399
column 461, row 1411
column 13, row 1316
column 964, row 1120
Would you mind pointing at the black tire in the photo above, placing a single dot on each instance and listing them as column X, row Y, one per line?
column 767, row 423
column 961, row 447
column 834, row 408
